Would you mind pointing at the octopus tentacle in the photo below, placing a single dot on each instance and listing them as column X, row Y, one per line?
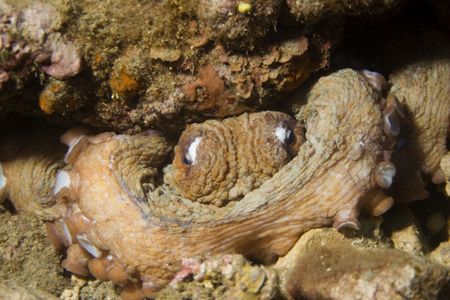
column 28, row 170
column 424, row 91
column 445, row 167
column 3, row 185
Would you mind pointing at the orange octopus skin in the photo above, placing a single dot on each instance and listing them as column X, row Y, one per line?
column 233, row 156
column 424, row 90
column 137, row 233
column 28, row 167
column 445, row 166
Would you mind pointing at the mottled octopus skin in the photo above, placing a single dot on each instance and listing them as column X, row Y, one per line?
column 445, row 166
column 136, row 234
column 424, row 90
column 31, row 163
column 233, row 156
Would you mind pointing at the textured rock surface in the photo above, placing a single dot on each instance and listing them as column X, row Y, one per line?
column 223, row 277
column 90, row 289
column 13, row 291
column 334, row 269
column 310, row 11
column 404, row 230
column 134, row 65
column 441, row 254
column 27, row 256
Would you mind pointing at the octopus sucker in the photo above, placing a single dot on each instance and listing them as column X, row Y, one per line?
column 275, row 176
column 375, row 79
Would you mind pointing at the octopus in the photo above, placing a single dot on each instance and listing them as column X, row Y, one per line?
column 423, row 89
column 250, row 184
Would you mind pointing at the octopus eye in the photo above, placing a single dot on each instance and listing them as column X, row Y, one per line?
column 191, row 153
column 290, row 138
column 285, row 135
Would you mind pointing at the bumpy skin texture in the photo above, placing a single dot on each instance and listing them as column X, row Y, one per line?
column 119, row 228
column 31, row 163
column 445, row 166
column 424, row 90
column 234, row 156
column 16, row 292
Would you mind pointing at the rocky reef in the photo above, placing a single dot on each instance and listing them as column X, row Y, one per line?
column 202, row 149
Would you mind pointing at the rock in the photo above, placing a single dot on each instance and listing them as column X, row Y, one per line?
column 136, row 65
column 332, row 268
column 221, row 277
column 90, row 289
column 369, row 236
column 311, row 11
column 27, row 256
column 240, row 24
column 405, row 231
column 13, row 291
column 441, row 254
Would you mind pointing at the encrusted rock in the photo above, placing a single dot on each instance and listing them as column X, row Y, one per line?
column 441, row 254
column 405, row 231
column 240, row 24
column 222, row 277
column 27, row 256
column 310, row 11
column 335, row 269
column 13, row 291
column 90, row 289
column 150, row 64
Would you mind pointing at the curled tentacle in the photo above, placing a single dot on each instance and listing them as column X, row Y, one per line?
column 29, row 162
column 219, row 161
column 135, row 161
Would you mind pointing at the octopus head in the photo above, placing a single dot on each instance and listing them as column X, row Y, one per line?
column 219, row 161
